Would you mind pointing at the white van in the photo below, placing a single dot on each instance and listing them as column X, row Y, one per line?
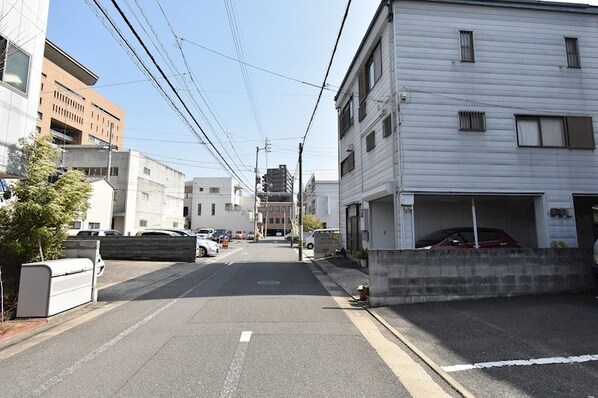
column 308, row 241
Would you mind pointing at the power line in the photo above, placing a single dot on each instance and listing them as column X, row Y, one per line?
column 149, row 54
column 338, row 37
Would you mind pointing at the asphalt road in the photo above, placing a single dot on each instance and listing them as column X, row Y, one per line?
column 538, row 346
column 251, row 323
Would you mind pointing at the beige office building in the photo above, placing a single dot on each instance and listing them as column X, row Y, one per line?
column 70, row 109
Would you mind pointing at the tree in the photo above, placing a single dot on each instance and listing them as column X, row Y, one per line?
column 311, row 222
column 34, row 220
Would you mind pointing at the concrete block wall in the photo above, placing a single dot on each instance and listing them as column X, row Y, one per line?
column 150, row 248
column 414, row 276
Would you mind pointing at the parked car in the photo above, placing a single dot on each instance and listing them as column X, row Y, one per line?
column 463, row 238
column 100, row 266
column 239, row 235
column 308, row 242
column 204, row 233
column 250, row 235
column 204, row 247
column 99, row 232
column 156, row 232
column 220, row 234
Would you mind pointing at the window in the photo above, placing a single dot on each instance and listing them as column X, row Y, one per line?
column 278, row 209
column 368, row 76
column 466, row 42
column 40, row 116
column 144, row 196
column 175, row 225
column 346, row 117
column 472, row 121
column 94, row 225
column 555, row 132
column 572, row 48
column 370, row 141
column 213, row 209
column 199, row 209
column 14, row 66
column 277, row 220
column 373, row 68
column 200, row 189
column 143, row 223
column 348, row 164
column 185, row 211
column 271, row 221
column 147, row 171
column 75, row 225
column 387, row 126
column 214, row 190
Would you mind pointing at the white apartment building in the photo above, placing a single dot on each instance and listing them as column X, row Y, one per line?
column 218, row 202
column 148, row 194
column 457, row 113
column 99, row 213
column 22, row 40
column 321, row 197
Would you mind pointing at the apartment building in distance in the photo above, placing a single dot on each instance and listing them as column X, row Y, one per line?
column 277, row 180
column 321, row 197
column 22, row 36
column 147, row 193
column 72, row 112
column 218, row 202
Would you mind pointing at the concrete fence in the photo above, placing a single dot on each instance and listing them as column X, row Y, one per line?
column 414, row 276
column 150, row 248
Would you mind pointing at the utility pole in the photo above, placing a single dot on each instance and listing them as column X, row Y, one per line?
column 257, row 177
column 300, row 202
column 109, row 153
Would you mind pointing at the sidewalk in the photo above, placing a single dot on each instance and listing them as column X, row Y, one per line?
column 344, row 272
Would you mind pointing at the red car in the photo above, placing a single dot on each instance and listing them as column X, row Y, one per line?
column 463, row 238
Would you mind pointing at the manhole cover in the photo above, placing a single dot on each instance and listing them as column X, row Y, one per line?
column 268, row 283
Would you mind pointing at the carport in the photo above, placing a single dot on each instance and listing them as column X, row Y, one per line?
column 516, row 215
column 586, row 219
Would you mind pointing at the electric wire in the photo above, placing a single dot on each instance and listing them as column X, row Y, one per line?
column 338, row 37
column 160, row 70
column 162, row 50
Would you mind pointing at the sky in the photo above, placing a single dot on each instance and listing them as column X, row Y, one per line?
column 286, row 46
column 292, row 38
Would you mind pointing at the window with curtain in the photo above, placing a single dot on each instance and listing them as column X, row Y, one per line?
column 571, row 132
column 572, row 48
column 466, row 43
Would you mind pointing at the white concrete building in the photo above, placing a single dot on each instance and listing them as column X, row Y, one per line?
column 461, row 111
column 218, row 202
column 321, row 197
column 22, row 40
column 99, row 213
column 147, row 193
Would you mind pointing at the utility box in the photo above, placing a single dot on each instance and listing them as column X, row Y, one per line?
column 49, row 287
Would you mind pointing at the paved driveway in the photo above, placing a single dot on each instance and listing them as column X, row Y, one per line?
column 542, row 346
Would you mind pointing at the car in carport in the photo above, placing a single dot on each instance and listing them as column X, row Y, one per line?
column 464, row 238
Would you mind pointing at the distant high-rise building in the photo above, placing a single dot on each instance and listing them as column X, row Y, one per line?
column 278, row 180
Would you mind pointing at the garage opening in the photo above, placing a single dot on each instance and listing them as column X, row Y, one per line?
column 586, row 220
column 513, row 214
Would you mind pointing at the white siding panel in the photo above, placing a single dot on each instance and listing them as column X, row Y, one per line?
column 520, row 68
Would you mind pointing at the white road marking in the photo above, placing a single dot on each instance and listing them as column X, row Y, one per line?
column 522, row 362
column 95, row 353
column 229, row 389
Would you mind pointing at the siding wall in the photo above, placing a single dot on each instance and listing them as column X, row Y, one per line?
column 520, row 68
